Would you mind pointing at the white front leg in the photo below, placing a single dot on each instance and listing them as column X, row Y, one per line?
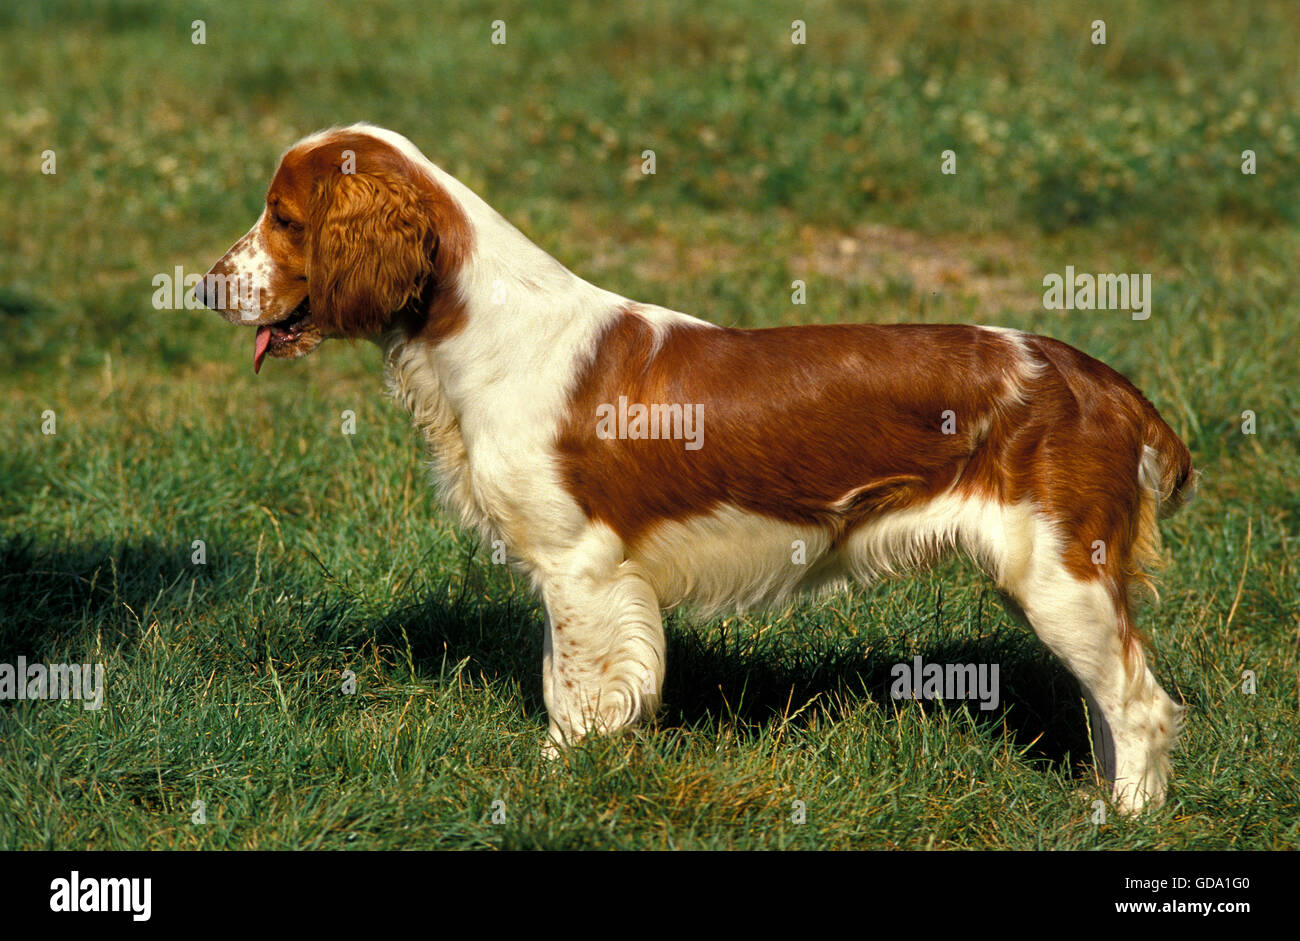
column 603, row 659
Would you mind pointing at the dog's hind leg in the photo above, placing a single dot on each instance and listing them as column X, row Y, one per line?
column 1086, row 622
column 603, row 659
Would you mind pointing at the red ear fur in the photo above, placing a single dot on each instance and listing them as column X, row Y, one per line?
column 370, row 247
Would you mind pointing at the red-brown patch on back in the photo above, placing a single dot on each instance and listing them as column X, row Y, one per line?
column 821, row 425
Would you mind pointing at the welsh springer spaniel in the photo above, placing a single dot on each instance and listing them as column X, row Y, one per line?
column 632, row 458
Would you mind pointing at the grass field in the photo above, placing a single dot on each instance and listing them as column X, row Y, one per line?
column 327, row 552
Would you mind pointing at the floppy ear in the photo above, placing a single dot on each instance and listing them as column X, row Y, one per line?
column 370, row 242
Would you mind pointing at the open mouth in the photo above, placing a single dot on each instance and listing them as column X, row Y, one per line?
column 279, row 338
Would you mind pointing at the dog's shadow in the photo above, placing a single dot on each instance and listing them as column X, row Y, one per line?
column 714, row 679
column 718, row 677
column 55, row 598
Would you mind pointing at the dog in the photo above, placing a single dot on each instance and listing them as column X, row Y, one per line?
column 633, row 458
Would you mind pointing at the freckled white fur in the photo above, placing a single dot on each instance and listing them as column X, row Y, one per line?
column 489, row 400
column 250, row 265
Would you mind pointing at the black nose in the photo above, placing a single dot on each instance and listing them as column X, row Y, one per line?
column 198, row 293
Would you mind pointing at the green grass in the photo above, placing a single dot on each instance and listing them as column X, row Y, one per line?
column 327, row 552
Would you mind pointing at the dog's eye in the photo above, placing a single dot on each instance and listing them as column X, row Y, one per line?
column 284, row 223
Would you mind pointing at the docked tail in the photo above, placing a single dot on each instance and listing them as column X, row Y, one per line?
column 1167, row 481
column 1166, row 467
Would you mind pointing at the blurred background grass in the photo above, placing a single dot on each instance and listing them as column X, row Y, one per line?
column 775, row 162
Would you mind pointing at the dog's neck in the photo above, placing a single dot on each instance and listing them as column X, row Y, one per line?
column 488, row 392
column 491, row 393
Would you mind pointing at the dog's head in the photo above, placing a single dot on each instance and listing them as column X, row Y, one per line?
column 356, row 238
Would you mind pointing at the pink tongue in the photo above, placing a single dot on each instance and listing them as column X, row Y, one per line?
column 260, row 345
